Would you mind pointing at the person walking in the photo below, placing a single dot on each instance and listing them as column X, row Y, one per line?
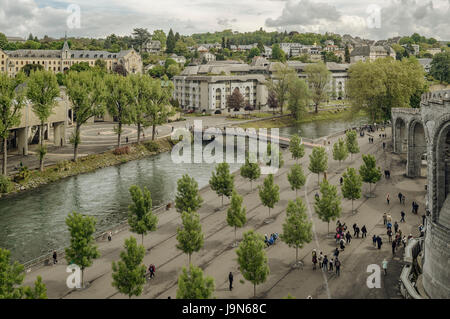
column 403, row 199
column 357, row 232
column 404, row 241
column 354, row 229
column 400, row 195
column 394, row 245
column 230, row 279
column 330, row 268
column 396, row 226
column 364, row 231
column 348, row 237
column 151, row 269
column 374, row 240
column 389, row 218
column 337, row 265
column 384, row 265
column 384, row 219
column 341, row 180
column 55, row 257
column 389, row 233
column 403, row 217
column 325, row 263
column 320, row 258
column 379, row 242
column 342, row 243
column 336, row 253
column 387, row 198
column 109, row 236
column 314, row 259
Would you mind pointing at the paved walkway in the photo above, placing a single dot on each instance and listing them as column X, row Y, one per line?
column 218, row 257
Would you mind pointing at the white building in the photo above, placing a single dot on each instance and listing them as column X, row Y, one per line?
column 178, row 58
column 371, row 53
column 208, row 56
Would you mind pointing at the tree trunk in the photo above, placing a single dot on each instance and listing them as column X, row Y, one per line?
column 254, row 290
column 41, row 158
column 235, row 240
column 139, row 133
column 317, row 108
column 251, row 186
column 352, row 206
column 296, row 191
column 119, row 134
column 82, row 277
column 328, row 228
column 318, row 179
column 296, row 254
column 142, row 239
column 5, row 155
column 222, row 201
column 153, row 132
column 75, row 144
column 189, row 259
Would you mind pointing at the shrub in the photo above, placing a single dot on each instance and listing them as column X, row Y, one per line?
column 23, row 175
column 121, row 150
column 5, row 184
column 152, row 146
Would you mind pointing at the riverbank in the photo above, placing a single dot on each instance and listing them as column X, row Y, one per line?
column 288, row 120
column 31, row 179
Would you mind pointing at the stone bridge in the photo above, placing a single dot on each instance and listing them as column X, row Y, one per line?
column 426, row 131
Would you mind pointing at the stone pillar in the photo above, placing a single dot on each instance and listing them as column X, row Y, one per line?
column 62, row 134
column 57, row 134
column 22, row 141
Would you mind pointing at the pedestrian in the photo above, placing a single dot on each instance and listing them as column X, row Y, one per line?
column 389, row 219
column 126, row 139
column 403, row 199
column 325, row 263
column 337, row 265
column 342, row 245
column 364, row 231
column 389, row 233
column 109, row 236
column 416, row 208
column 394, row 245
column 152, row 270
column 379, row 242
column 55, row 257
column 338, row 238
column 230, row 279
column 385, row 218
column 387, row 198
column 336, row 253
column 330, row 268
column 374, row 240
column 357, row 231
column 320, row 258
column 413, row 207
column 384, row 265
column 341, row 180
column 400, row 195
column 314, row 259
column 396, row 226
column 423, row 219
column 404, row 241
column 403, row 217
column 348, row 237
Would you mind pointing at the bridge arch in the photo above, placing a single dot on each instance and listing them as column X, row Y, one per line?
column 417, row 148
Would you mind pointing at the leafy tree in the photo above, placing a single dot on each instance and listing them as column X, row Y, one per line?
column 140, row 216
column 86, row 91
column 12, row 100
column 142, row 95
column 80, row 67
column 296, row 178
column 158, row 107
column 318, row 161
column 192, row 284
column 351, row 188
column 39, row 291
column 28, row 68
column 273, row 148
column 296, row 147
column 119, row 101
column 181, row 48
column 318, row 78
column 3, row 41
column 340, row 151
column 376, row 87
column 351, row 140
column 129, row 272
column 140, row 36
column 297, row 230
column 369, row 172
column 222, row 181
column 170, row 42
column 101, row 64
column 283, row 77
column 298, row 98
column 347, row 54
column 187, row 197
column 190, row 237
column 251, row 171
column 159, row 35
column 157, row 71
column 328, row 206
column 254, row 52
column 235, row 100
column 236, row 213
column 277, row 53
column 440, row 67
column 42, row 91
column 120, row 70
column 173, row 70
column 269, row 193
column 252, row 259
column 272, row 101
column 82, row 250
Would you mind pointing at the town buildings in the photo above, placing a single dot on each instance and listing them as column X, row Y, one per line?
column 152, row 46
column 370, row 53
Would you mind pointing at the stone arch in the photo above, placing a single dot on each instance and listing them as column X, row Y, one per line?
column 400, row 135
column 417, row 147
column 441, row 167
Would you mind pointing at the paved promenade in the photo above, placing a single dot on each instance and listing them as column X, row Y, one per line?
column 218, row 257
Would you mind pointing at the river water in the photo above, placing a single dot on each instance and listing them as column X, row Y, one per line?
column 32, row 223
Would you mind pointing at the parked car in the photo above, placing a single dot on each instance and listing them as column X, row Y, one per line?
column 218, row 112
column 249, row 108
column 190, row 111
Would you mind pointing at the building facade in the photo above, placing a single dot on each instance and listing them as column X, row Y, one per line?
column 370, row 53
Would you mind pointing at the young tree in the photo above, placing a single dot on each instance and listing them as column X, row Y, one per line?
column 119, row 101
column 12, row 99
column 187, row 197
column 296, row 178
column 318, row 78
column 252, row 171
column 269, row 192
column 351, row 140
column 82, row 250
column 236, row 213
column 141, row 86
column 347, row 54
column 159, row 109
column 235, row 100
column 440, row 67
column 272, row 101
column 328, row 206
column 282, row 80
column 298, row 97
column 86, row 91
column 351, row 188
column 190, row 237
column 129, row 272
column 140, row 216
column 252, row 259
column 276, row 149
column 296, row 147
column 340, row 151
column 222, row 181
column 297, row 230
column 369, row 172
column 42, row 91
column 277, row 53
column 39, row 291
column 192, row 284
column 318, row 161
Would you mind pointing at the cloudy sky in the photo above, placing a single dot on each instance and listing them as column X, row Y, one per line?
column 373, row 19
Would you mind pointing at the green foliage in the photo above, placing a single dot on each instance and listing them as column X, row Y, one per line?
column 283, row 77
column 328, row 206
column 251, row 171
column 11, row 276
column 351, row 188
column 5, row 185
column 152, row 146
column 23, row 175
column 318, row 78
column 140, row 216
column 28, row 68
column 42, row 91
column 440, row 67
column 318, row 161
column 39, row 291
column 187, row 197
column 298, row 99
column 269, row 192
column 129, row 272
column 252, row 259
column 297, row 230
column 254, row 52
column 296, row 177
column 80, row 67
column 351, row 140
column 236, row 213
column 235, row 100
column 173, row 70
column 368, row 171
column 296, row 147
column 222, row 181
column 190, row 237
column 192, row 284
column 340, row 151
column 82, row 250
column 278, row 54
